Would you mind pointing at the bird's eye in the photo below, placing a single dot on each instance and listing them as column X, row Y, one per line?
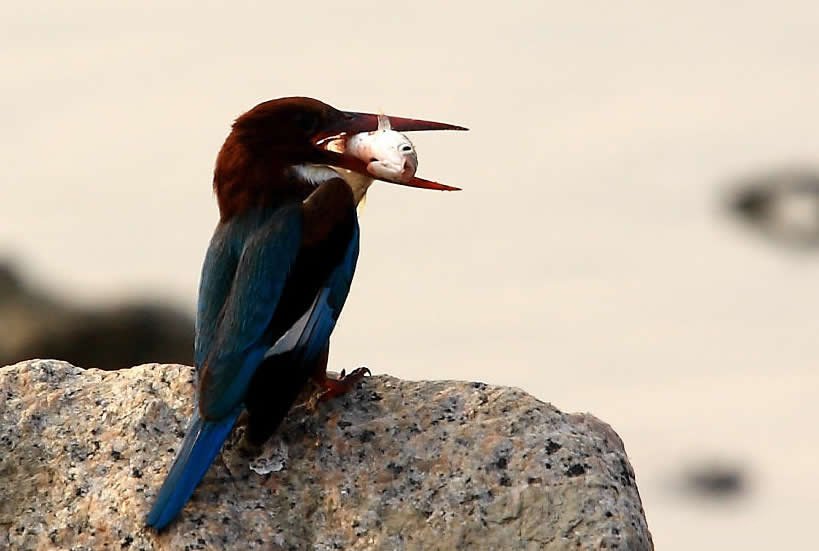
column 406, row 148
column 306, row 121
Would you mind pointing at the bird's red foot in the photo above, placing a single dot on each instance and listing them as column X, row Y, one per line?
column 332, row 388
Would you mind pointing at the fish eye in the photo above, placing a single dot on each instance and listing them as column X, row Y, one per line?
column 406, row 148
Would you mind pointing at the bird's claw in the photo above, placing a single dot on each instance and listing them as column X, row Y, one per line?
column 344, row 384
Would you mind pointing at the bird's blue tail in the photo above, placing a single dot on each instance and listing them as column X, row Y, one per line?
column 202, row 442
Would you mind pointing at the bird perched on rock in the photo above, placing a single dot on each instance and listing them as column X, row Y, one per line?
column 276, row 274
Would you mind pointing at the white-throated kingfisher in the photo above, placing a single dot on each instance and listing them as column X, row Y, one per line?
column 275, row 276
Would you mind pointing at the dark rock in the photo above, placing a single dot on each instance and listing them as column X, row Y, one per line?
column 36, row 325
column 715, row 480
column 782, row 205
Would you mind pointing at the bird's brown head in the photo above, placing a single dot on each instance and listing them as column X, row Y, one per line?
column 255, row 164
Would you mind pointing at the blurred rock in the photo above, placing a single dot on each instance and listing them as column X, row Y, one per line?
column 715, row 480
column 783, row 205
column 392, row 465
column 36, row 325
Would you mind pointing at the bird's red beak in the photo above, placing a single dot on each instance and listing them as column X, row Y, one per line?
column 350, row 123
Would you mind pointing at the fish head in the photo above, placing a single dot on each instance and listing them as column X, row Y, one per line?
column 373, row 146
column 390, row 155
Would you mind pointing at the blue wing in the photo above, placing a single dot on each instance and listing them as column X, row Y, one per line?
column 245, row 270
column 309, row 335
column 238, row 346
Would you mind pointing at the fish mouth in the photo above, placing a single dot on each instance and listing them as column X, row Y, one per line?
column 348, row 123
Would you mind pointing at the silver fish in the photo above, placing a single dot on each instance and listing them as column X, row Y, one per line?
column 390, row 155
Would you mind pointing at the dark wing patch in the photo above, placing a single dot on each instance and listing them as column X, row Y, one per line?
column 309, row 335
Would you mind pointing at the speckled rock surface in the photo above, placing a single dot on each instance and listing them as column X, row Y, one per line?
column 393, row 465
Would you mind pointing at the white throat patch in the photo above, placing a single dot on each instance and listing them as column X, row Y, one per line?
column 319, row 174
column 315, row 174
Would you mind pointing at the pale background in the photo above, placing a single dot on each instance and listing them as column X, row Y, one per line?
column 587, row 260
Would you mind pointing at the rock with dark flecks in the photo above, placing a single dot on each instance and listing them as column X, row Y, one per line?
column 393, row 465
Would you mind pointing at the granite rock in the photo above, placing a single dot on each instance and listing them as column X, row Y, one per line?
column 393, row 465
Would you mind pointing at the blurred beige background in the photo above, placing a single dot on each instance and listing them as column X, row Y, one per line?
column 587, row 260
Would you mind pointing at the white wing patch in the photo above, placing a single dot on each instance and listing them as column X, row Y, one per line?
column 303, row 326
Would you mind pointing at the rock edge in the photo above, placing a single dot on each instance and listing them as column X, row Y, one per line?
column 393, row 465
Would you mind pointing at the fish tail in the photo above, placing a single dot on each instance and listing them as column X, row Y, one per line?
column 202, row 442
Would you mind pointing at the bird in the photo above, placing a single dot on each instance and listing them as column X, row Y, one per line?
column 275, row 276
